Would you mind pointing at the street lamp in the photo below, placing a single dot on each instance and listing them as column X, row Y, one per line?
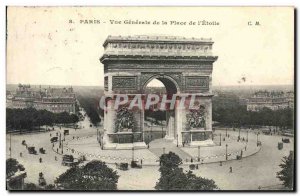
column 132, row 153
column 59, row 140
column 62, row 147
column 198, row 153
column 226, row 152
column 220, row 139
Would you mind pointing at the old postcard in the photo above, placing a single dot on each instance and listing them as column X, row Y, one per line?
column 150, row 98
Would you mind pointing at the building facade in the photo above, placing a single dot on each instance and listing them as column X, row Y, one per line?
column 274, row 100
column 55, row 100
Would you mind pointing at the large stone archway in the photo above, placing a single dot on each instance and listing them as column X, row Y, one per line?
column 183, row 65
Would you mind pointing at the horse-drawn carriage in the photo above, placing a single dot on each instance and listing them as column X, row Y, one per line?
column 122, row 166
column 42, row 150
column 31, row 150
column 68, row 160
column 134, row 164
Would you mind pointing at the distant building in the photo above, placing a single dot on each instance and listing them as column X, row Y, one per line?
column 52, row 99
column 274, row 100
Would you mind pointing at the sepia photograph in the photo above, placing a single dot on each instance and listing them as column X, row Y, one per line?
column 150, row 98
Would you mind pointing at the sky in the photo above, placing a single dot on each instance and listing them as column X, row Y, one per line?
column 43, row 47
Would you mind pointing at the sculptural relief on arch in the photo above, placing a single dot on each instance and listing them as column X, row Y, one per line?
column 183, row 65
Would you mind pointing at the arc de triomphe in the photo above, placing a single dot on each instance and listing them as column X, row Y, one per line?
column 183, row 65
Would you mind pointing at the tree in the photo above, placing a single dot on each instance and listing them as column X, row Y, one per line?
column 170, row 160
column 95, row 175
column 12, row 166
column 286, row 175
column 172, row 176
column 199, row 183
column 30, row 186
column 14, row 179
column 90, row 105
column 29, row 118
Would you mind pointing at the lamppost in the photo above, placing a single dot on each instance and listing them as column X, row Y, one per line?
column 132, row 153
column 220, row 139
column 62, row 147
column 226, row 152
column 198, row 153
column 59, row 140
column 10, row 145
column 97, row 136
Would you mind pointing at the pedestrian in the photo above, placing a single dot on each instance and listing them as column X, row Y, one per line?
column 50, row 134
column 191, row 160
column 57, row 150
column 245, row 148
column 41, row 160
column 220, row 163
column 55, row 158
column 141, row 161
column 230, row 169
column 21, row 154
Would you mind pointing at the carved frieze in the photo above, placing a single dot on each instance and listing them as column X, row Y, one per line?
column 124, row 82
column 197, row 82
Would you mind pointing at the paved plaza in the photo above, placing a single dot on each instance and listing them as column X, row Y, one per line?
column 259, row 163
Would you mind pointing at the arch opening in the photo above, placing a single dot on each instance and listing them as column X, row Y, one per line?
column 159, row 123
column 169, row 83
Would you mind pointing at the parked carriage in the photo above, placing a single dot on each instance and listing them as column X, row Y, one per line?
column 31, row 150
column 68, row 160
column 122, row 166
column 134, row 164
column 66, row 132
column 285, row 140
column 54, row 139
column 42, row 151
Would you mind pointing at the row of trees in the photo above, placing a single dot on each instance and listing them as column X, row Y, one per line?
column 90, row 105
column 29, row 118
column 172, row 177
column 228, row 111
column 96, row 175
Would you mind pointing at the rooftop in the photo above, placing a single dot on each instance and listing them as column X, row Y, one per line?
column 156, row 38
